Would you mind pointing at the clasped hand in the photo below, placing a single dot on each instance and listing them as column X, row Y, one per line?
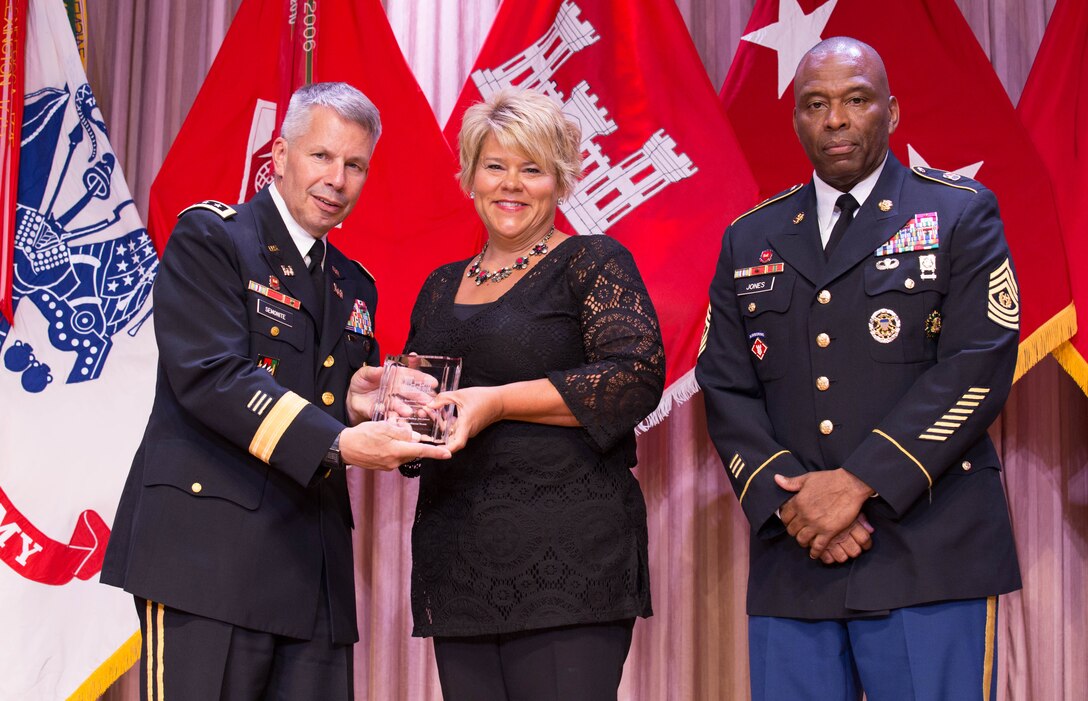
column 824, row 514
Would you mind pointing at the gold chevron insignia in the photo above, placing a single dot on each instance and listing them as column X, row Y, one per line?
column 1003, row 298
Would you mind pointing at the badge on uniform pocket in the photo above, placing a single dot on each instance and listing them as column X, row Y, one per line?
column 884, row 325
column 268, row 364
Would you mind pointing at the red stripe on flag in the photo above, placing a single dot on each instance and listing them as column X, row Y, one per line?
column 11, row 120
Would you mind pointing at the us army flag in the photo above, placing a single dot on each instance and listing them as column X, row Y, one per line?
column 76, row 378
column 955, row 116
column 664, row 174
column 404, row 226
column 1053, row 108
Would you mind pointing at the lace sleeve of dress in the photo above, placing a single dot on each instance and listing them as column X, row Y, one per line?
column 625, row 371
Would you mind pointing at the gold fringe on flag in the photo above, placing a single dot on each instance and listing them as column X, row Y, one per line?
column 109, row 671
column 1046, row 339
column 1073, row 363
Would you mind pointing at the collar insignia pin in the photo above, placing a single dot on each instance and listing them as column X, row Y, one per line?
column 288, row 271
column 337, row 290
column 885, row 205
column 799, row 218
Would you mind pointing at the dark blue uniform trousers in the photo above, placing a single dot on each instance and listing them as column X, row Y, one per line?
column 934, row 652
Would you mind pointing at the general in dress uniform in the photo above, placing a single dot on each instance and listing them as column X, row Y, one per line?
column 234, row 527
column 848, row 389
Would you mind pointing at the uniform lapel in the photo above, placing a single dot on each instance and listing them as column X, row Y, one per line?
column 338, row 305
column 282, row 254
column 797, row 239
column 872, row 226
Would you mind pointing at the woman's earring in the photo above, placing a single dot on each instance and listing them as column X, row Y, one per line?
column 560, row 203
column 472, row 195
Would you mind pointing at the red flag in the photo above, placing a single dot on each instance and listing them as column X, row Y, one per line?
column 664, row 174
column 411, row 217
column 1053, row 108
column 11, row 117
column 955, row 115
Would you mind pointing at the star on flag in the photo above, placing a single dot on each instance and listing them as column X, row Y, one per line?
column 916, row 159
column 791, row 36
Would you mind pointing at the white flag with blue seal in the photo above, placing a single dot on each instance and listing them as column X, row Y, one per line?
column 77, row 371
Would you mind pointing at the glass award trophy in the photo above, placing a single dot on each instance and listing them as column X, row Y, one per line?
column 408, row 384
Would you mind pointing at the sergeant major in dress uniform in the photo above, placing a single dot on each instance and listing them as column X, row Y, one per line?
column 862, row 336
column 234, row 527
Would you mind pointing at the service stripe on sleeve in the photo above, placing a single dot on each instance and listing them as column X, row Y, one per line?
column 271, row 430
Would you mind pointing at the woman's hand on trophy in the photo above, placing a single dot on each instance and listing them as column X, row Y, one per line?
column 476, row 409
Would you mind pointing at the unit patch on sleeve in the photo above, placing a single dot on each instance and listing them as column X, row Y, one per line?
column 1003, row 299
column 945, row 426
column 918, row 234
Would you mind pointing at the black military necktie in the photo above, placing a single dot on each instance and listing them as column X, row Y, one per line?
column 317, row 275
column 847, row 206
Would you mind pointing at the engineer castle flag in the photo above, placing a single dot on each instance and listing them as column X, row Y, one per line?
column 663, row 172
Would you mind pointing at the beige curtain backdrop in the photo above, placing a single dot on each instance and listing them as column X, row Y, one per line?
column 146, row 64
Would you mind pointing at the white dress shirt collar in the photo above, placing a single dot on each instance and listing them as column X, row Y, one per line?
column 303, row 240
column 826, row 211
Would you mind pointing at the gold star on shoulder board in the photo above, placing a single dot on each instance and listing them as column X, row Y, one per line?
column 799, row 218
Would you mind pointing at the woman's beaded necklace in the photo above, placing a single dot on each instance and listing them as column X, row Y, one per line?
column 481, row 276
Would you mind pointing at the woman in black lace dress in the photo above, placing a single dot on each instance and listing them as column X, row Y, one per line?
column 529, row 560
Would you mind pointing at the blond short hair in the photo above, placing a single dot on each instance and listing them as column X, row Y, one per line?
column 528, row 122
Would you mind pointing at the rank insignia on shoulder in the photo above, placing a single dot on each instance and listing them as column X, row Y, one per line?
column 933, row 324
column 224, row 211
column 756, row 270
column 1003, row 298
column 884, row 325
column 268, row 364
column 359, row 321
column 918, row 234
column 759, row 346
column 952, row 176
